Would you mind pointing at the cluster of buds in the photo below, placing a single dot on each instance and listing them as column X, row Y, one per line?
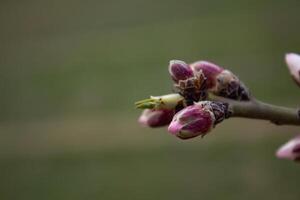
column 189, row 113
column 184, row 121
column 194, row 81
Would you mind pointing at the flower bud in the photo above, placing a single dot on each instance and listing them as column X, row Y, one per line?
column 156, row 118
column 197, row 119
column 179, row 70
column 229, row 86
column 290, row 150
column 209, row 70
column 293, row 62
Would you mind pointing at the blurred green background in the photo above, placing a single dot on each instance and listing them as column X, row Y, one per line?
column 71, row 70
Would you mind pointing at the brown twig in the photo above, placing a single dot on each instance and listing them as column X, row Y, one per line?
column 259, row 110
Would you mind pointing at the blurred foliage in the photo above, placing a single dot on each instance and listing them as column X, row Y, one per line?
column 71, row 70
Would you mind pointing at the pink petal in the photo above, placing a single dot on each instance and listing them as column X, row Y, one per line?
column 293, row 62
column 290, row 150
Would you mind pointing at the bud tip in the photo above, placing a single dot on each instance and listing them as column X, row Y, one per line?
column 293, row 62
column 290, row 150
column 179, row 70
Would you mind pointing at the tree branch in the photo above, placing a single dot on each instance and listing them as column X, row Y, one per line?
column 259, row 110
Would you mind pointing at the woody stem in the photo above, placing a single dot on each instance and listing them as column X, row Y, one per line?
column 259, row 110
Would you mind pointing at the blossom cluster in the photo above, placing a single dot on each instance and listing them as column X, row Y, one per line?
column 188, row 113
column 191, row 112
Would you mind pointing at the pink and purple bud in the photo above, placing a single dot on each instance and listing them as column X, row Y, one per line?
column 293, row 62
column 290, row 150
column 156, row 118
column 210, row 71
column 179, row 70
column 197, row 119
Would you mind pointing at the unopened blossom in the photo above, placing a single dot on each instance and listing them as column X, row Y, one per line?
column 179, row 70
column 293, row 62
column 290, row 150
column 197, row 119
column 156, row 118
column 210, row 71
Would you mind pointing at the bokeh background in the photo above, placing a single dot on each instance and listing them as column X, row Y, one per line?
column 70, row 72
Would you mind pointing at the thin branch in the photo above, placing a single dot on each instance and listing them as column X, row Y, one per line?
column 259, row 110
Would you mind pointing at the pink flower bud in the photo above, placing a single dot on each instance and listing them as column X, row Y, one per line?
column 156, row 118
column 290, row 150
column 194, row 120
column 293, row 62
column 179, row 70
column 209, row 70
